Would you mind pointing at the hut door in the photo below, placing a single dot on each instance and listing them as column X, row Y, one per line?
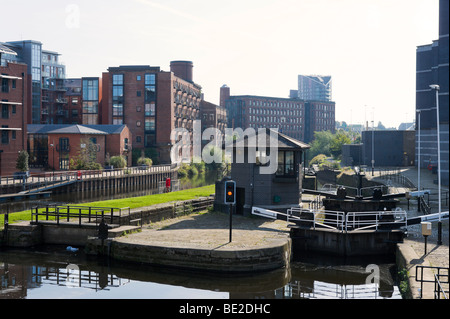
column 240, row 200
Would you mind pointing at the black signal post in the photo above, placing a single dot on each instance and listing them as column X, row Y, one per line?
column 230, row 198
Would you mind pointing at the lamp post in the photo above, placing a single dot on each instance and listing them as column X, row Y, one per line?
column 53, row 159
column 436, row 88
column 418, row 155
column 373, row 157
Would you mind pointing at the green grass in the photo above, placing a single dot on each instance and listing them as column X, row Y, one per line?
column 132, row 202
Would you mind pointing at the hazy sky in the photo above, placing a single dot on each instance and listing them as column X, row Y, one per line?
column 256, row 47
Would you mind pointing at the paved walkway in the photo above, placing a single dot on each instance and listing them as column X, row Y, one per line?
column 413, row 247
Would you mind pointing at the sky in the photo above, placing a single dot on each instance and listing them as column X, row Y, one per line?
column 256, row 47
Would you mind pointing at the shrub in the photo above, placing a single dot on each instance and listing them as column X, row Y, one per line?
column 145, row 161
column 118, row 162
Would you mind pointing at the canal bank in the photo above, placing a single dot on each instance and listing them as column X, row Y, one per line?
column 413, row 255
column 202, row 241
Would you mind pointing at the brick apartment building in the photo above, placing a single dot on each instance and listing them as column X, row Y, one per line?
column 152, row 103
column 214, row 116
column 293, row 117
column 55, row 145
column 14, row 99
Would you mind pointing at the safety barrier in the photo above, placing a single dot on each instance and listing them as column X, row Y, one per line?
column 351, row 221
column 438, row 280
column 82, row 213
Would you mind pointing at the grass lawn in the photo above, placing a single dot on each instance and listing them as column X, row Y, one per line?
column 132, row 202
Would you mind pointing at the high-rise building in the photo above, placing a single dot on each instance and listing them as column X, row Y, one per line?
column 314, row 87
column 152, row 103
column 47, row 77
column 432, row 67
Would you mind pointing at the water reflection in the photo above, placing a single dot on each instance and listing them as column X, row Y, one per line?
column 54, row 272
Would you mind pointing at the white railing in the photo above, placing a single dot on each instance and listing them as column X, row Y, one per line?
column 351, row 221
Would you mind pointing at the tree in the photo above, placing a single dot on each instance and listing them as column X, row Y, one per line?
column 87, row 157
column 339, row 139
column 320, row 144
column 22, row 161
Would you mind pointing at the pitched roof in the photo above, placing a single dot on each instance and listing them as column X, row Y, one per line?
column 283, row 141
column 74, row 129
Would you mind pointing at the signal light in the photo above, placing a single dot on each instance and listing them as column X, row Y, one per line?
column 230, row 192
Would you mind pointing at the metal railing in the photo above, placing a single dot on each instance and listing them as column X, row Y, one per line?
column 354, row 191
column 85, row 214
column 186, row 207
column 58, row 176
column 438, row 283
column 351, row 221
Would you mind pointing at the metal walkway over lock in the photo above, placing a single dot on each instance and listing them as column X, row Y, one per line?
column 348, row 221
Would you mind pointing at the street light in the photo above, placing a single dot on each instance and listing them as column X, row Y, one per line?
column 436, row 88
column 53, row 158
column 373, row 158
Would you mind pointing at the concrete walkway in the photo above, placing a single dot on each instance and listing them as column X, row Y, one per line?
column 413, row 248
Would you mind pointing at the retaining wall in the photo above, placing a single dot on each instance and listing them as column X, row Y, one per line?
column 261, row 259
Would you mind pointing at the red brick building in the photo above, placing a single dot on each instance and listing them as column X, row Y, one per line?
column 14, row 97
column 293, row 117
column 213, row 115
column 54, row 146
column 152, row 103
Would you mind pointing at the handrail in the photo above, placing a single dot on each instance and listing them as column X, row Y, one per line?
column 436, row 278
column 351, row 221
column 79, row 212
column 438, row 289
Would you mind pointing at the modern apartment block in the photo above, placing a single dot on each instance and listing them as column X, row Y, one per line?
column 293, row 117
column 13, row 103
column 47, row 77
column 152, row 103
column 432, row 67
column 313, row 87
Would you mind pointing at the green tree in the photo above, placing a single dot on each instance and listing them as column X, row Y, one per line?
column 320, row 144
column 339, row 139
column 22, row 161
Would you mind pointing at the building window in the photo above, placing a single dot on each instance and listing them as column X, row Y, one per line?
column 138, row 123
column 138, row 77
column 285, row 163
column 5, row 86
column 90, row 90
column 5, row 135
column 138, row 93
column 5, row 111
column 150, row 87
column 149, row 124
column 117, row 79
column 117, row 121
column 150, row 109
column 138, row 139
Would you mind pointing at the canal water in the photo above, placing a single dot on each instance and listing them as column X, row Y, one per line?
column 55, row 272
